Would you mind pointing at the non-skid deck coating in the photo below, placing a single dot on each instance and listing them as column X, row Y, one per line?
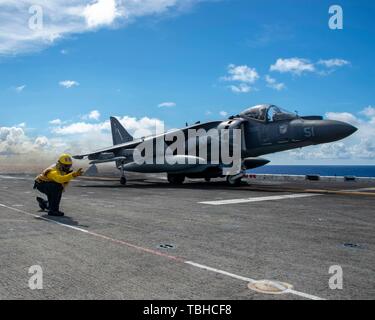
column 150, row 240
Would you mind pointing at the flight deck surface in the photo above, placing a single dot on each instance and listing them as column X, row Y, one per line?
column 151, row 240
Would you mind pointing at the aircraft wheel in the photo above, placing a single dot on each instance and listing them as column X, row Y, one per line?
column 234, row 183
column 176, row 179
column 123, row 181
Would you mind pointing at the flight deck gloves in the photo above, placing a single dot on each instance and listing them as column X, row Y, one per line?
column 77, row 173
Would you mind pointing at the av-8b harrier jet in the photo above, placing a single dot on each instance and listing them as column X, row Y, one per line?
column 264, row 129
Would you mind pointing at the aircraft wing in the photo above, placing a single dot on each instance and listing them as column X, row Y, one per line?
column 135, row 143
column 127, row 145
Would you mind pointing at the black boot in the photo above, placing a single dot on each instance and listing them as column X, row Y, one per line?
column 43, row 204
column 56, row 213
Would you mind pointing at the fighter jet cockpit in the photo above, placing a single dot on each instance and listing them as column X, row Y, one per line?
column 268, row 113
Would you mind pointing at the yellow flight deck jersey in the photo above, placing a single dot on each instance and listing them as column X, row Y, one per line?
column 52, row 174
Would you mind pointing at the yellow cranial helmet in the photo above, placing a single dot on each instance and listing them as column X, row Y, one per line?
column 66, row 160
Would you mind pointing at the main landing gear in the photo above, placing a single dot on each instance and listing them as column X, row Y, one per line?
column 176, row 179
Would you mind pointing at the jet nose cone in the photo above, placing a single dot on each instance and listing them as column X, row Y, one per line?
column 351, row 129
column 330, row 130
column 342, row 129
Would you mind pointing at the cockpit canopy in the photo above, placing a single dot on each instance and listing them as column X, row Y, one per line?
column 268, row 112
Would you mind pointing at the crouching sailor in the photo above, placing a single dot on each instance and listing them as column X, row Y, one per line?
column 53, row 181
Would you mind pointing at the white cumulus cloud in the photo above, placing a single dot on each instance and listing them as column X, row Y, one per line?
column 56, row 122
column 101, row 12
column 369, row 112
column 241, row 88
column 60, row 18
column 295, row 66
column 94, row 115
column 331, row 63
column 138, row 127
column 272, row 83
column 299, row 66
column 14, row 142
column 242, row 77
column 80, row 127
column 241, row 73
column 19, row 89
column 22, row 151
column 68, row 84
column 167, row 105
column 42, row 141
column 343, row 116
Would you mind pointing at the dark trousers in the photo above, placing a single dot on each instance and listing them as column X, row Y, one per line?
column 53, row 191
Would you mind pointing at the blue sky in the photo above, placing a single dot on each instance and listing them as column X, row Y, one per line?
column 130, row 63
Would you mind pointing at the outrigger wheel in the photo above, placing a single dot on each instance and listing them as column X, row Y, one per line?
column 234, row 181
column 123, row 180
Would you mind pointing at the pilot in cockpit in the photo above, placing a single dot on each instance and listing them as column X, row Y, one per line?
column 262, row 114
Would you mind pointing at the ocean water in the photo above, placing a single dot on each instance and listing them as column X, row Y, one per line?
column 357, row 171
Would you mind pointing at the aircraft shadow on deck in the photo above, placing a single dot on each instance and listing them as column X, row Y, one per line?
column 146, row 184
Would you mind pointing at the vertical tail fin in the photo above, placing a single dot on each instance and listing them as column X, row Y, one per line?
column 119, row 133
